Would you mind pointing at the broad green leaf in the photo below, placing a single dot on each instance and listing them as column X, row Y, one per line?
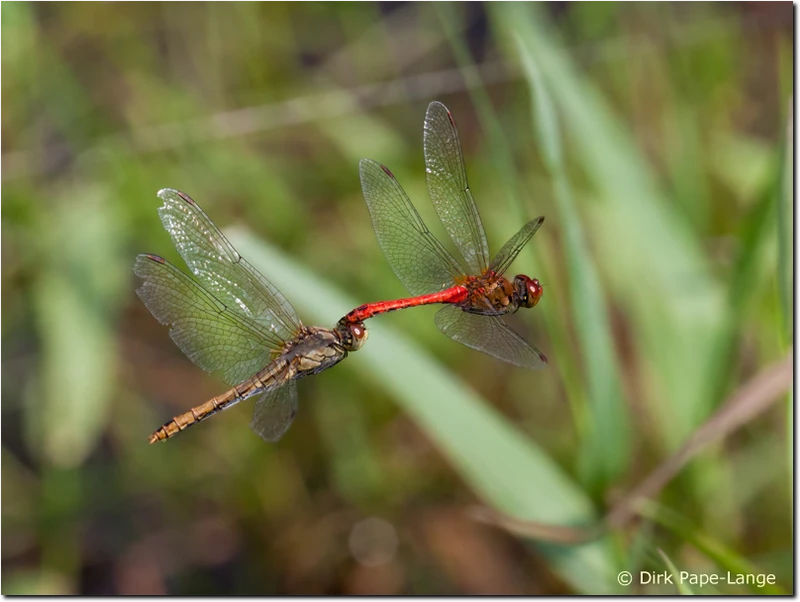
column 75, row 295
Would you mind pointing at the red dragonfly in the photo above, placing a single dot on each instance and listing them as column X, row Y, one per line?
column 475, row 297
column 233, row 321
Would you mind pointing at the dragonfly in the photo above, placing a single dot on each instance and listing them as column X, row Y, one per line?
column 230, row 319
column 475, row 292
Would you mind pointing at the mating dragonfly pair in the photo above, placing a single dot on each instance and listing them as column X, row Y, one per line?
column 231, row 320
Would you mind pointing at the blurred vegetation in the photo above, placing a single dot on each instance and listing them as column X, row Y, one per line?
column 655, row 138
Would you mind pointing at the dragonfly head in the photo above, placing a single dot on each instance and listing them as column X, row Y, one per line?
column 528, row 290
column 352, row 334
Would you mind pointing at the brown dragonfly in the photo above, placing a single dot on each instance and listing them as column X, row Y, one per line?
column 231, row 320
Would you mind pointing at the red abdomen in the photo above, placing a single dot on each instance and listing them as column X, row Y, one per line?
column 454, row 294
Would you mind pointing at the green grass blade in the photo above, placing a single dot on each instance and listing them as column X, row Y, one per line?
column 502, row 158
column 683, row 589
column 674, row 302
column 785, row 221
column 605, row 452
column 503, row 466
column 716, row 551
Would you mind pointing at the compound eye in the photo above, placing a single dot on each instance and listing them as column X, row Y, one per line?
column 359, row 335
column 534, row 292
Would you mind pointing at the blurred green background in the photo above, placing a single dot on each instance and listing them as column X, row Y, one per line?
column 654, row 139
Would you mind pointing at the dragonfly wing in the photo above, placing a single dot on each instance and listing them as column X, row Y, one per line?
column 212, row 336
column 418, row 259
column 511, row 249
column 274, row 412
column 220, row 268
column 490, row 335
column 449, row 190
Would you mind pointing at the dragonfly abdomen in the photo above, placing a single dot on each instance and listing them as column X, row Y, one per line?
column 268, row 378
column 454, row 294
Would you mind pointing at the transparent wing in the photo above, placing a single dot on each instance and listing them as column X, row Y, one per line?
column 449, row 190
column 274, row 412
column 490, row 335
column 420, row 261
column 212, row 336
column 220, row 268
column 511, row 249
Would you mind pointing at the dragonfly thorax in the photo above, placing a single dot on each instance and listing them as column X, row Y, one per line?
column 313, row 350
column 490, row 294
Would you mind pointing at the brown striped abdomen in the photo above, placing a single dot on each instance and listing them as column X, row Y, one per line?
column 268, row 377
